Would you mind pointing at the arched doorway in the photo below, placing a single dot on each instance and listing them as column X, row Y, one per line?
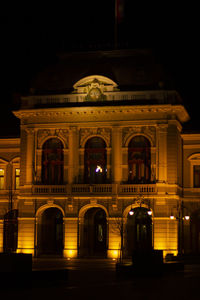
column 195, row 232
column 50, row 232
column 139, row 231
column 95, row 233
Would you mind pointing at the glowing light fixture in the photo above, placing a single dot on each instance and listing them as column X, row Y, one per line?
column 99, row 169
column 172, row 217
column 131, row 212
column 149, row 212
column 187, row 218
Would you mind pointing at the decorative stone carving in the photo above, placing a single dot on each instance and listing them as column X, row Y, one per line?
column 149, row 131
column 85, row 133
column 44, row 133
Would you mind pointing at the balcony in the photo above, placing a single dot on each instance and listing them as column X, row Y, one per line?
column 95, row 189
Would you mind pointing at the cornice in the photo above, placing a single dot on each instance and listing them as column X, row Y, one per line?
column 53, row 113
column 190, row 136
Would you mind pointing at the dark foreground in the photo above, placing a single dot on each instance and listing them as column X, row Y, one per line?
column 96, row 279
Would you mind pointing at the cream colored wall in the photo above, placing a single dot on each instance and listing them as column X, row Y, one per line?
column 70, row 237
column 1, row 235
column 165, row 235
column 26, row 229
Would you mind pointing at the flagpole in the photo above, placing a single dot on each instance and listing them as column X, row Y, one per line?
column 116, row 27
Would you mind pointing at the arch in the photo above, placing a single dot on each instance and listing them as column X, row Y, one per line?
column 3, row 161
column 132, row 206
column 85, row 140
column 52, row 137
column 42, row 208
column 194, row 156
column 84, row 209
column 15, row 160
column 130, row 137
column 89, row 79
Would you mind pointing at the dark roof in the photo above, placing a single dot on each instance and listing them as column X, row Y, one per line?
column 130, row 69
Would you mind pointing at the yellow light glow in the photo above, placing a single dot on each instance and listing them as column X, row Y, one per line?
column 99, row 169
column 113, row 254
column 70, row 253
column 172, row 217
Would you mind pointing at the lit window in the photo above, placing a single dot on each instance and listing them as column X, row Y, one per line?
column 197, row 176
column 17, row 176
column 1, row 179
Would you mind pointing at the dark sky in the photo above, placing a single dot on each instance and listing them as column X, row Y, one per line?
column 30, row 41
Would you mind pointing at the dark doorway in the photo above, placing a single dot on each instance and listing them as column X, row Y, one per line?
column 139, row 231
column 10, row 232
column 51, row 232
column 95, row 233
column 195, row 232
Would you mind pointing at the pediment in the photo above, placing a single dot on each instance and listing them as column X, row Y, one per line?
column 94, row 87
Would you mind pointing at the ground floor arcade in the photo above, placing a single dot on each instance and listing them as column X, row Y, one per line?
column 94, row 232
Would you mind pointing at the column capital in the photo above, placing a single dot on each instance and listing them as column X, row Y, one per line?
column 30, row 131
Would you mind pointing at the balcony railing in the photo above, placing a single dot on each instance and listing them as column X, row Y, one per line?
column 137, row 189
column 101, row 189
column 50, row 189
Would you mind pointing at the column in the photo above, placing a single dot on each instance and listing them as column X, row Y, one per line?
column 162, row 153
column 29, row 155
column 73, row 154
column 70, row 238
column 116, row 154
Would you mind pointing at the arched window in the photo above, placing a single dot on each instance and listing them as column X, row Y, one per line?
column 95, row 161
column 139, row 160
column 52, row 162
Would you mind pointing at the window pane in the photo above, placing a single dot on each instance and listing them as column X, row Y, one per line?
column 1, row 179
column 17, row 175
column 197, row 176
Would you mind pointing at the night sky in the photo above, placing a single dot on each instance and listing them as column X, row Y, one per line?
column 31, row 40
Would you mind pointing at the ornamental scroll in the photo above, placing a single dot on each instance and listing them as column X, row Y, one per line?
column 43, row 134
column 148, row 131
column 85, row 133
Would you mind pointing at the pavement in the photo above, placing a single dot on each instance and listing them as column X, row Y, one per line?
column 96, row 279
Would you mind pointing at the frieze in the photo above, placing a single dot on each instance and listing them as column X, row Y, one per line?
column 44, row 133
column 85, row 133
column 149, row 131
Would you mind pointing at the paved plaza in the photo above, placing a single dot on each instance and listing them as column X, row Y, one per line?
column 96, row 279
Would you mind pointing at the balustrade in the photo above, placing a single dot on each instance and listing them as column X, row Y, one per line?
column 87, row 189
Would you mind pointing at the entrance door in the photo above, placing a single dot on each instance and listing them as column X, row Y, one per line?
column 51, row 232
column 95, row 233
column 139, row 231
column 195, row 232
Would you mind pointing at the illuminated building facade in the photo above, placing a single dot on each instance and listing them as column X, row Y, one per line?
column 100, row 136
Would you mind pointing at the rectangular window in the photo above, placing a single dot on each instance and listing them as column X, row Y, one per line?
column 17, row 175
column 197, row 176
column 1, row 179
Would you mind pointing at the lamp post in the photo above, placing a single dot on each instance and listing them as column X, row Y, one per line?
column 180, row 217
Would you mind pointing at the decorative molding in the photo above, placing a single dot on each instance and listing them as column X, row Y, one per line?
column 43, row 134
column 129, row 132
column 94, row 87
column 57, row 113
column 85, row 133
